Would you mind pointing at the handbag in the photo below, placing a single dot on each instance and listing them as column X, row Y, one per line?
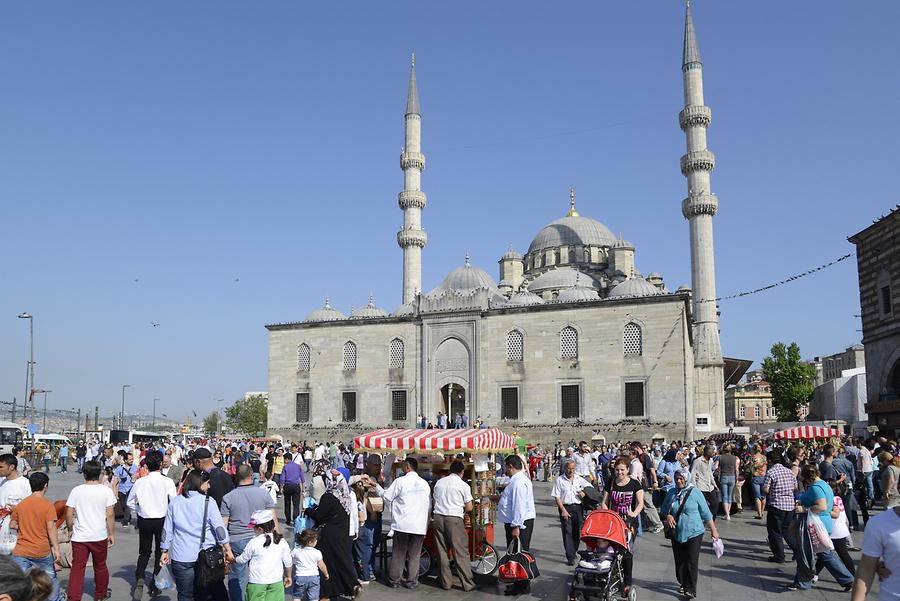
column 668, row 531
column 517, row 565
column 210, row 566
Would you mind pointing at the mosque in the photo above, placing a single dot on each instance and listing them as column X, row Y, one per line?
column 571, row 339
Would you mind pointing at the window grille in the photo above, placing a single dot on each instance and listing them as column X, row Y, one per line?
column 398, row 405
column 509, row 403
column 570, row 397
column 568, row 343
column 887, row 306
column 743, row 412
column 396, row 354
column 634, row 399
column 348, row 413
column 349, row 356
column 632, row 340
column 515, row 349
column 303, row 357
column 302, row 407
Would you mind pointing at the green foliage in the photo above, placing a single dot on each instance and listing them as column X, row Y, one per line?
column 790, row 378
column 211, row 423
column 248, row 416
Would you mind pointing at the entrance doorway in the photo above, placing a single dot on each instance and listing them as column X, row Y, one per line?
column 453, row 400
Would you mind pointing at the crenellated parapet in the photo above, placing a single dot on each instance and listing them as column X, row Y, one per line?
column 412, row 238
column 414, row 160
column 411, row 199
column 694, row 116
column 697, row 160
column 699, row 204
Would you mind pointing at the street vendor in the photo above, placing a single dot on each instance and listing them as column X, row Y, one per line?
column 452, row 500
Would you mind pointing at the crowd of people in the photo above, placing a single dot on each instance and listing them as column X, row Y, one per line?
column 200, row 506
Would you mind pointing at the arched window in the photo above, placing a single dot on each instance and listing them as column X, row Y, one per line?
column 587, row 255
column 349, row 356
column 303, row 357
column 571, row 255
column 515, row 348
column 568, row 343
column 632, row 340
column 396, row 353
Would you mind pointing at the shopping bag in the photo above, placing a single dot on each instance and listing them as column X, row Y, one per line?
column 718, row 547
column 163, row 580
column 517, row 565
column 818, row 534
column 8, row 536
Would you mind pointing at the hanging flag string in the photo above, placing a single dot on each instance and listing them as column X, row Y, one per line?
column 781, row 283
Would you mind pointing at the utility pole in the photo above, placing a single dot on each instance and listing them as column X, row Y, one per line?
column 12, row 413
column 96, row 417
column 78, row 421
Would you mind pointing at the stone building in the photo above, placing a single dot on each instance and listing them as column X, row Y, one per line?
column 830, row 367
column 878, row 267
column 750, row 402
column 572, row 335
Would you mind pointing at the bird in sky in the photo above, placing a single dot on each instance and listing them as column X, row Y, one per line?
column 136, row 280
column 237, row 279
column 154, row 324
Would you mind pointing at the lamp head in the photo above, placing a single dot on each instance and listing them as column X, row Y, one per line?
column 25, row 315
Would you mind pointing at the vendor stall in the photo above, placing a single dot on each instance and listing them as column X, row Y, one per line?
column 434, row 450
column 807, row 433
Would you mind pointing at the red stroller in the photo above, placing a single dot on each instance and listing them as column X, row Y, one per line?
column 599, row 575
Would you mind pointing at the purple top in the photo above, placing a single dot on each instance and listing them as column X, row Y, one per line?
column 291, row 474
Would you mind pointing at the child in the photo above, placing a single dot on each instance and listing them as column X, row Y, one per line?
column 360, row 550
column 307, row 565
column 270, row 560
column 271, row 487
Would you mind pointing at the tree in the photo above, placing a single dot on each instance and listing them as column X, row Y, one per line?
column 249, row 415
column 790, row 378
column 211, row 423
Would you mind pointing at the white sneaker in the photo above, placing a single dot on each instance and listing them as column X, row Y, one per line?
column 815, row 579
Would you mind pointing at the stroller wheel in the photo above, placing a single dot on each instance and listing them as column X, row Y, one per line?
column 632, row 594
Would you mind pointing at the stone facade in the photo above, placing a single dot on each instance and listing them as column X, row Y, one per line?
column 750, row 403
column 878, row 267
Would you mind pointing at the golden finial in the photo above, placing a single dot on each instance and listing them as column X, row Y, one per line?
column 572, row 212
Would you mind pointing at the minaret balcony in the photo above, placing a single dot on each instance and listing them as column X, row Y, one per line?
column 698, row 160
column 705, row 203
column 416, row 160
column 411, row 198
column 694, row 116
column 407, row 238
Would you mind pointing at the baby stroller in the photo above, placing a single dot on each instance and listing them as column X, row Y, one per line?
column 599, row 575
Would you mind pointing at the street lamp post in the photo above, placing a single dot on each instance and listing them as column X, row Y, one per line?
column 44, row 427
column 122, row 415
column 153, row 423
column 30, row 318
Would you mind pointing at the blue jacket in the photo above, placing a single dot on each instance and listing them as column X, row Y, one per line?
column 692, row 520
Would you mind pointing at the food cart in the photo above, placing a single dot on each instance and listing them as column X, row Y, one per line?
column 807, row 433
column 435, row 449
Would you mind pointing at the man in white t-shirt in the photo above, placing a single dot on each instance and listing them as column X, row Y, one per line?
column 90, row 518
column 452, row 500
column 15, row 488
column 881, row 543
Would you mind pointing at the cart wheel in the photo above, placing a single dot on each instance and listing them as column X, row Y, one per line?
column 485, row 560
column 424, row 563
column 632, row 594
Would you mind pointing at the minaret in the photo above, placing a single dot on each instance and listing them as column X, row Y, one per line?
column 699, row 208
column 412, row 237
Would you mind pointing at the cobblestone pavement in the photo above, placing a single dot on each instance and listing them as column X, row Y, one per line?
column 742, row 573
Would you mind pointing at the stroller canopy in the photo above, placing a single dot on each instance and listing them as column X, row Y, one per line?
column 605, row 525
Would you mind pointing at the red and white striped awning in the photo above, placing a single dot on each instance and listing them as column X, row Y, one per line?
column 808, row 432
column 471, row 439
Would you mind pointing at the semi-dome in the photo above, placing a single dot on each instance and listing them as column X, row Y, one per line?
column 562, row 277
column 572, row 230
column 326, row 313
column 467, row 279
column 577, row 293
column 405, row 309
column 369, row 311
column 634, row 286
column 525, row 298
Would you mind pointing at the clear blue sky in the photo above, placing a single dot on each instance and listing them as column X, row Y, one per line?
column 185, row 145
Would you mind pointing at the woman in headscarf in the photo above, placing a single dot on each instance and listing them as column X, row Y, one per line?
column 665, row 474
column 685, row 510
column 332, row 515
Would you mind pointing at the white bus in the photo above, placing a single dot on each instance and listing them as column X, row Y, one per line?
column 11, row 435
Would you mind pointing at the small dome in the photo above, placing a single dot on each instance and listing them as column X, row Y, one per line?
column 405, row 310
column 560, row 278
column 326, row 313
column 511, row 254
column 525, row 298
column 622, row 244
column 467, row 279
column 654, row 276
column 632, row 287
column 369, row 311
column 569, row 231
column 684, row 288
column 577, row 294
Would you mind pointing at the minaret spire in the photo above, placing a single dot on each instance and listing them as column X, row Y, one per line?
column 412, row 237
column 572, row 212
column 699, row 208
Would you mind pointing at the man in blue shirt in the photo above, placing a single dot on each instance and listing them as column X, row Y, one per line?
column 127, row 474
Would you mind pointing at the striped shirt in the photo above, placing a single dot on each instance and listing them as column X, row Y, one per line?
column 780, row 482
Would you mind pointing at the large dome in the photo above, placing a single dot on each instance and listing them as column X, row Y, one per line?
column 573, row 230
column 467, row 279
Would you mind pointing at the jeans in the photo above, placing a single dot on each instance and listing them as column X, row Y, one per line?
column 870, row 485
column 375, row 527
column 726, row 485
column 41, row 563
column 183, row 574
column 237, row 579
column 148, row 530
column 778, row 525
column 307, row 588
column 757, row 483
column 833, row 564
column 63, row 465
column 363, row 551
column 80, row 464
column 842, row 550
column 126, row 510
column 256, row 479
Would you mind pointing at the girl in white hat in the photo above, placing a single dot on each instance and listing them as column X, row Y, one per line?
column 270, row 560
